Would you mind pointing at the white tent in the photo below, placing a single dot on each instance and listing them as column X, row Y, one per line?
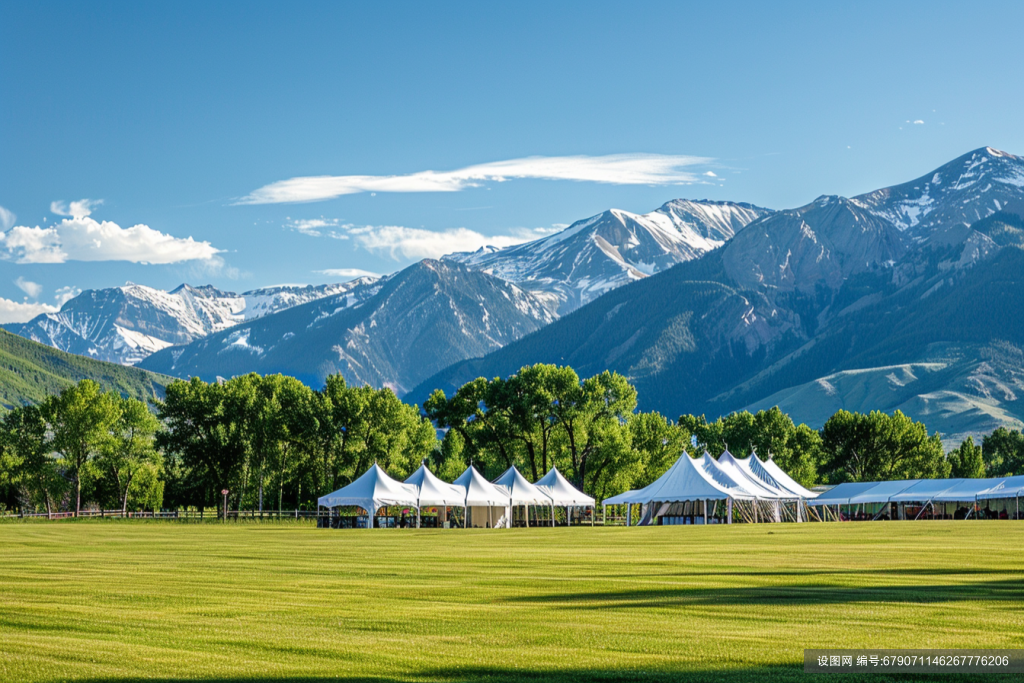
column 725, row 478
column 685, row 481
column 522, row 492
column 480, row 499
column 740, row 472
column 432, row 492
column 372, row 491
column 966, row 491
column 924, row 491
column 1011, row 487
column 768, row 471
column 561, row 492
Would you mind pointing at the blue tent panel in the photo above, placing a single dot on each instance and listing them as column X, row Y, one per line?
column 966, row 490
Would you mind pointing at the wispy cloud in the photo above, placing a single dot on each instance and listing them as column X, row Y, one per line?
column 415, row 243
column 85, row 239
column 616, row 169
column 7, row 218
column 33, row 289
column 78, row 209
column 347, row 273
column 400, row 242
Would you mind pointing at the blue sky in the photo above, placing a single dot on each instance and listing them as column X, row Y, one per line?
column 187, row 118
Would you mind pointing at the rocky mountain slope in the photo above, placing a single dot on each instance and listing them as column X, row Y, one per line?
column 837, row 286
column 422, row 319
column 126, row 324
column 598, row 254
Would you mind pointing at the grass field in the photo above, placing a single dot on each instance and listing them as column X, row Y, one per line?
column 123, row 601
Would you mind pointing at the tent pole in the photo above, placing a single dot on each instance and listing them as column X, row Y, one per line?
column 593, row 513
column 629, row 513
column 705, row 511
column 604, row 515
column 728, row 511
column 527, row 511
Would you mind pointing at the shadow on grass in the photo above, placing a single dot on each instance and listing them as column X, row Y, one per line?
column 777, row 674
column 1009, row 590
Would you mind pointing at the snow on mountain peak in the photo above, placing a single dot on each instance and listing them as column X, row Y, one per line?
column 596, row 254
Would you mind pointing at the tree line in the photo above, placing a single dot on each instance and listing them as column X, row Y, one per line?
column 275, row 443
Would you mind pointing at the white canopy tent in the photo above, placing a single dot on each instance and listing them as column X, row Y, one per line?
column 768, row 472
column 432, row 492
column 685, row 481
column 562, row 493
column 1011, row 487
column 740, row 471
column 966, row 491
column 481, row 497
column 522, row 492
column 372, row 491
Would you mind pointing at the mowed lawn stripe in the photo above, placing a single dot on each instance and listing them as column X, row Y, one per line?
column 121, row 600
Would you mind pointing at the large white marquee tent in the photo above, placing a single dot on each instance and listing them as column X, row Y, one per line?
column 372, row 491
column 912, row 498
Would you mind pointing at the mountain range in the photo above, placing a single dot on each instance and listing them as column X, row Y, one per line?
column 421, row 320
column 899, row 298
column 818, row 303
column 595, row 255
column 126, row 324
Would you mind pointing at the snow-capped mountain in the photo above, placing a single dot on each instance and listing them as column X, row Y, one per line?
column 899, row 298
column 422, row 319
column 598, row 254
column 967, row 189
column 126, row 324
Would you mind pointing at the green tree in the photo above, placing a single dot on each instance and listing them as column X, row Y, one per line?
column 1003, row 451
column 27, row 458
column 658, row 443
column 80, row 419
column 592, row 415
column 130, row 457
column 876, row 447
column 966, row 461
column 205, row 432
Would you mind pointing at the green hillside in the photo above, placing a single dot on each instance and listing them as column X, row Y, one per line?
column 30, row 371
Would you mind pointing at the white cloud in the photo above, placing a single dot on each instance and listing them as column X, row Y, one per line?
column 711, row 174
column 7, row 218
column 347, row 273
column 415, row 243
column 79, row 209
column 66, row 294
column 314, row 227
column 84, row 239
column 616, row 169
column 22, row 312
column 33, row 289
column 919, row 122
column 14, row 312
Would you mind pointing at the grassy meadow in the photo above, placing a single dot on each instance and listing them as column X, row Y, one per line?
column 130, row 600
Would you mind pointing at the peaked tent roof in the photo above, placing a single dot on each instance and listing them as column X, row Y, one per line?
column 723, row 477
column 840, row 495
column 1011, row 487
column 730, row 464
column 560, row 491
column 767, row 470
column 966, row 490
column 924, row 490
column 521, row 491
column 479, row 491
column 433, row 491
column 372, row 490
column 685, row 480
